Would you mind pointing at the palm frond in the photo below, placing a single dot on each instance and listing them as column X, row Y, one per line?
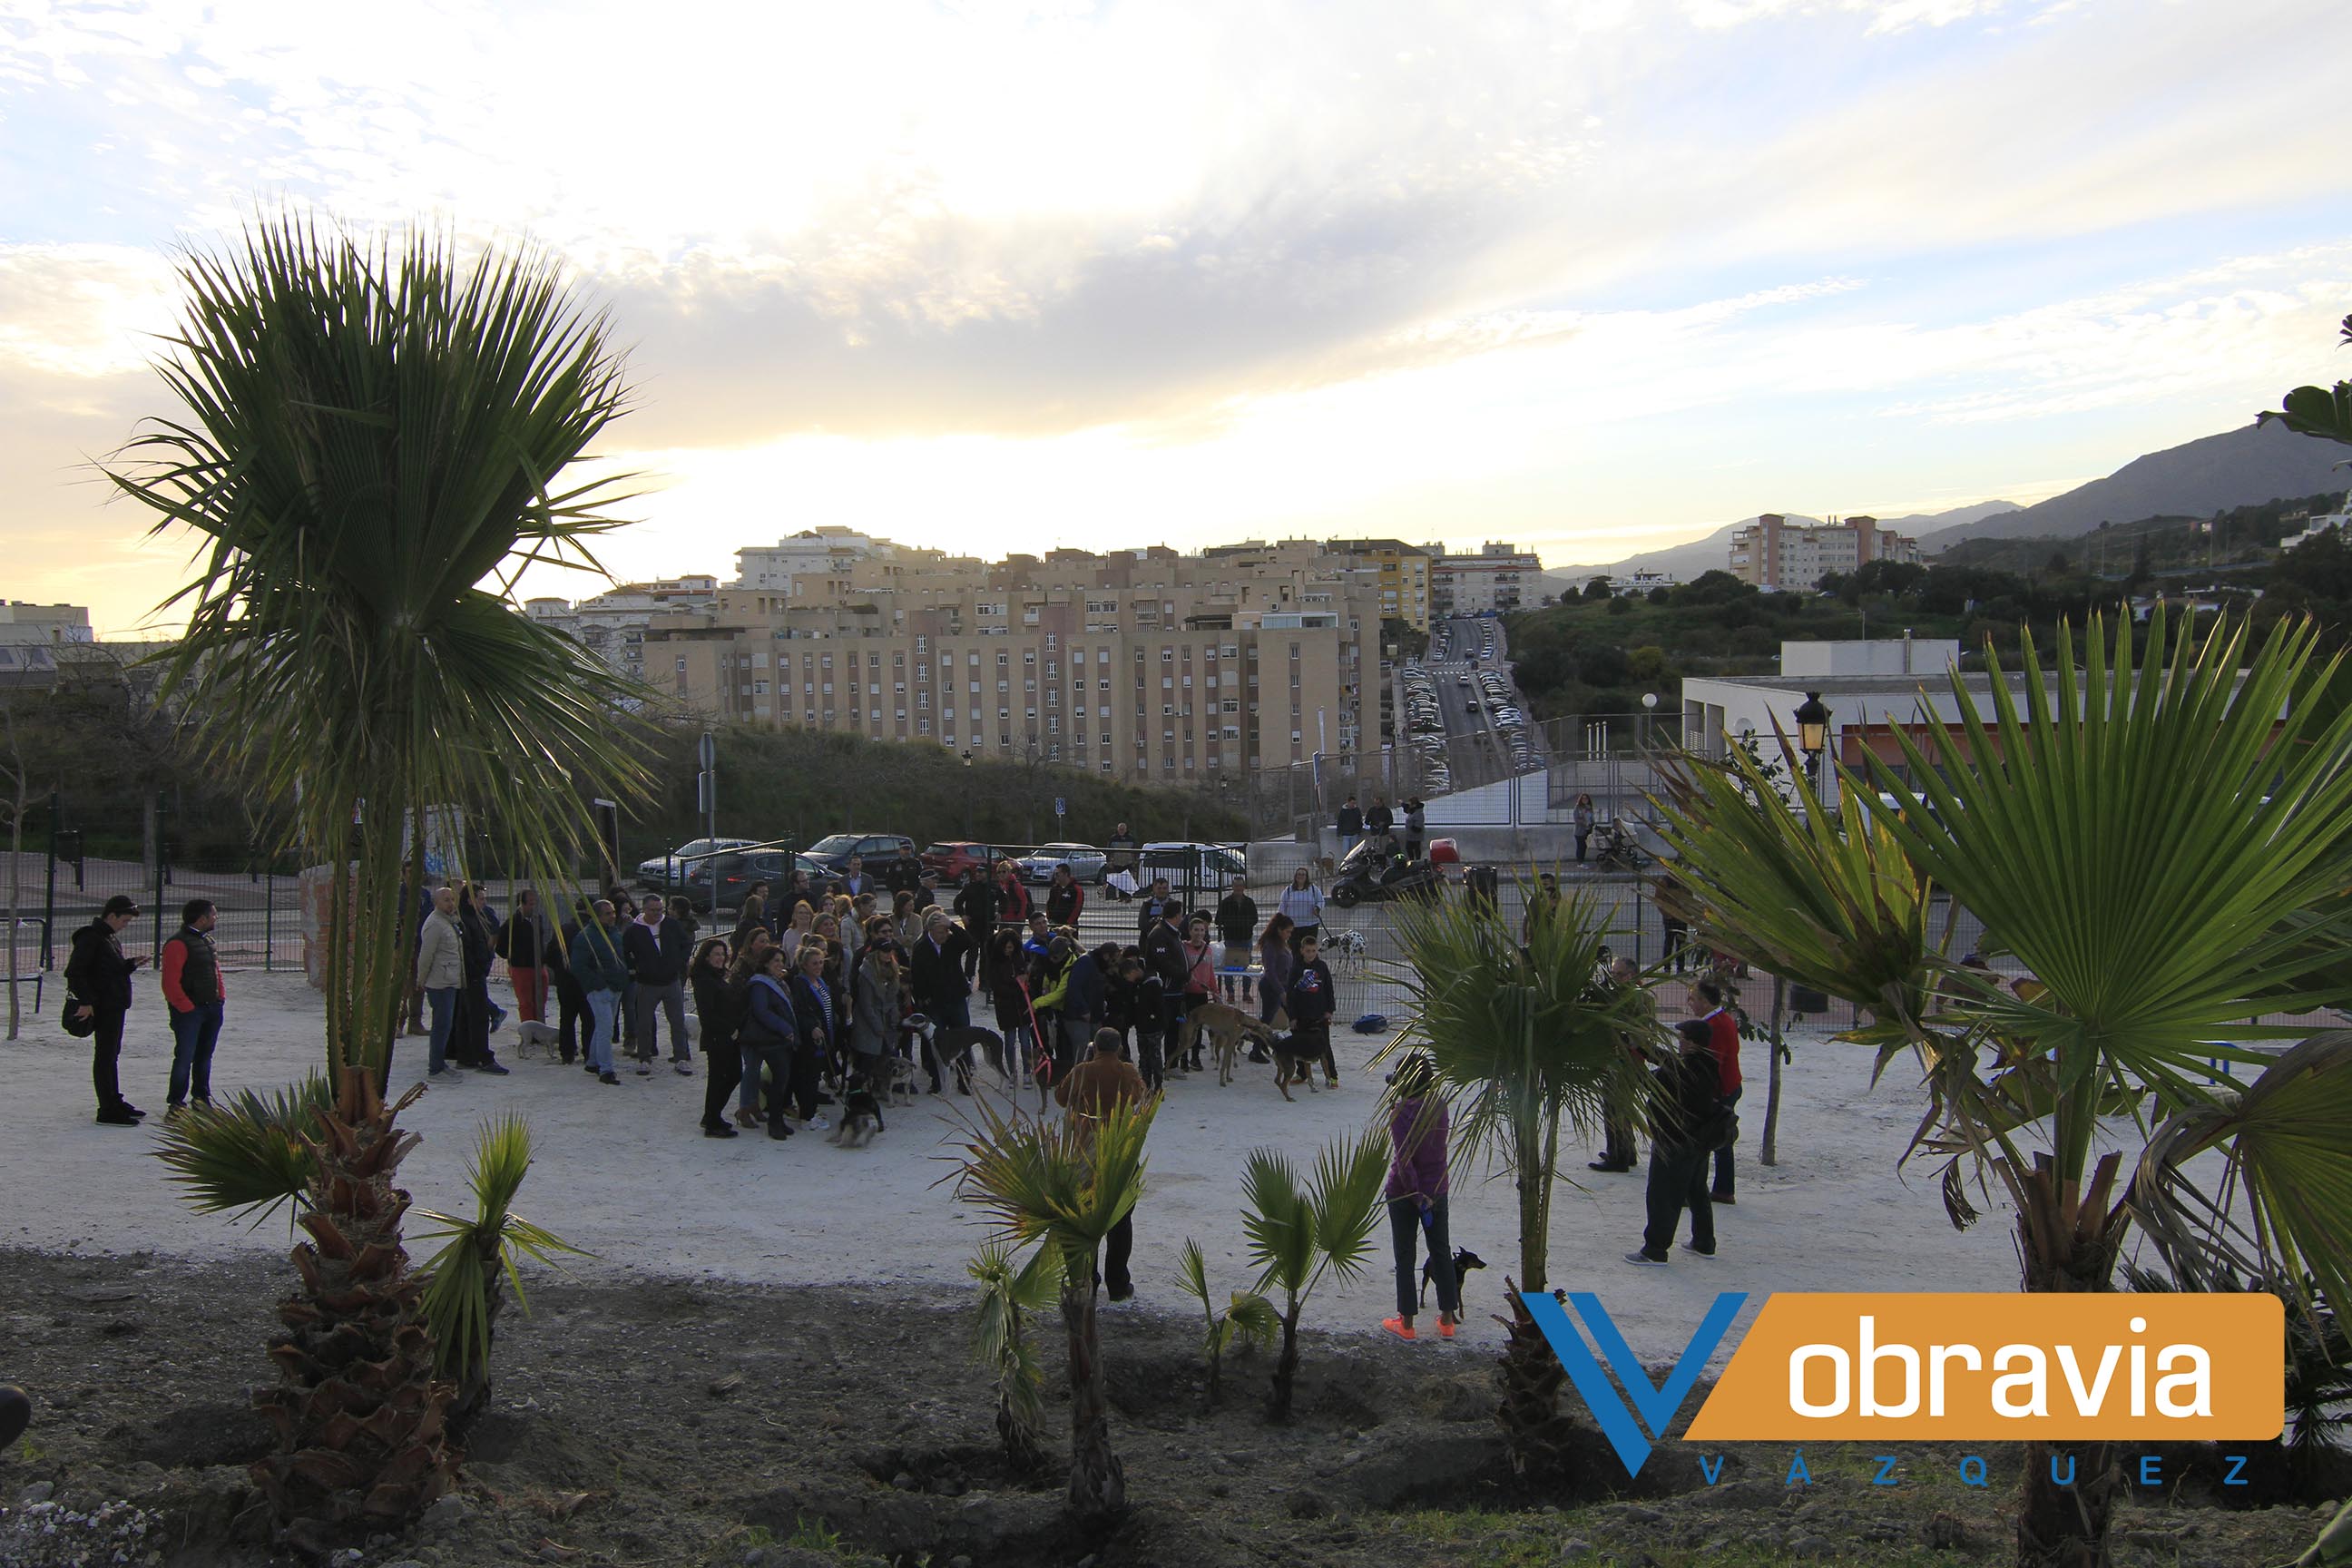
column 1251, row 1318
column 250, row 1154
column 371, row 432
column 1346, row 1201
column 1060, row 1182
column 1278, row 1222
column 480, row 1252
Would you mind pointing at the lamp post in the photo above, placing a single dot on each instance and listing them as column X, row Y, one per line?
column 1813, row 735
column 1649, row 708
column 967, row 794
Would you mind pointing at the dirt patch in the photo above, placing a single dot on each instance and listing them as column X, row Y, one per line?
column 659, row 1422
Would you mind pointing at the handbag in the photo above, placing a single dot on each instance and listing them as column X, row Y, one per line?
column 82, row 1027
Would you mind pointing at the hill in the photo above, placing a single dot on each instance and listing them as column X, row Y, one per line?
column 2245, row 467
column 1709, row 554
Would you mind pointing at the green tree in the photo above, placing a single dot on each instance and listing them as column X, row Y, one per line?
column 1527, row 1043
column 1011, row 1292
column 1300, row 1232
column 1246, row 1318
column 2038, row 816
column 1062, row 1185
column 368, row 433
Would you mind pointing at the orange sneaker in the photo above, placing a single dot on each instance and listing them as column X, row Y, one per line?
column 1445, row 1328
column 1399, row 1328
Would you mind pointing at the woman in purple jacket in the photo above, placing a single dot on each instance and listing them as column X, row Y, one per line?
column 1416, row 1196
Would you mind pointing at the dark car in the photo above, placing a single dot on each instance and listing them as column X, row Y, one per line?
column 720, row 883
column 880, row 852
column 954, row 859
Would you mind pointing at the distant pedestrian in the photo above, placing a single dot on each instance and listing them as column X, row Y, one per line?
column 1583, row 817
column 603, row 974
column 767, row 1040
column 1689, row 1102
column 1416, row 823
column 1237, row 928
column 1707, row 999
column 1064, row 898
column 525, row 942
column 657, row 952
column 1275, row 956
column 97, row 987
column 1156, row 899
column 718, row 1011
column 1098, row 1086
column 1618, row 1150
column 1349, row 822
column 469, row 1039
column 441, row 972
column 1303, row 902
column 1416, row 1194
column 191, row 974
column 1380, row 819
column 571, row 1002
column 1119, row 857
column 937, row 973
column 813, row 1018
column 1314, row 997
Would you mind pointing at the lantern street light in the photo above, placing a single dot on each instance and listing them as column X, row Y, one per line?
column 1813, row 735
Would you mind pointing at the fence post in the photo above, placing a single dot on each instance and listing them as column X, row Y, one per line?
column 49, row 905
column 163, row 875
column 270, row 919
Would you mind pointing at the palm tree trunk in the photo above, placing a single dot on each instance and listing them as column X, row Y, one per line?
column 2068, row 1240
column 1097, row 1481
column 1768, row 1151
column 1285, row 1367
column 359, row 1417
column 1533, row 1428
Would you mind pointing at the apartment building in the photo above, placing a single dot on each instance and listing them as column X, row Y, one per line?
column 1401, row 574
column 1145, row 664
column 1499, row 578
column 613, row 624
column 1773, row 552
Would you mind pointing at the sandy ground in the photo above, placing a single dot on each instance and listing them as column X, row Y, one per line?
column 624, row 1173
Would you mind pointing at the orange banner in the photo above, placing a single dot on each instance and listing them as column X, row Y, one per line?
column 1970, row 1368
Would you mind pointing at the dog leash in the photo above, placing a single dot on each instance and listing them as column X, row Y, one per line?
column 1043, row 1070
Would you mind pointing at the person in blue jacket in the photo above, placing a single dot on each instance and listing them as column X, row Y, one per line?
column 603, row 974
column 769, row 1038
column 1313, row 998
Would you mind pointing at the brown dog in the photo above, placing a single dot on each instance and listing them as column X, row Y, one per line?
column 1226, row 1025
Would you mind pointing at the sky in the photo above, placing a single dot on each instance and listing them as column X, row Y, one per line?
column 1594, row 277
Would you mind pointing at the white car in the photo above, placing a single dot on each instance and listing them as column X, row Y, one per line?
column 662, row 870
column 1085, row 862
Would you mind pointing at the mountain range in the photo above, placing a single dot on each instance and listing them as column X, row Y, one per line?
column 2238, row 467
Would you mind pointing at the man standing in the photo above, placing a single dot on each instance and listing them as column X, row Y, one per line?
column 1708, row 1001
column 1119, row 855
column 525, row 942
column 440, row 971
column 975, row 902
column 656, row 948
column 1155, row 900
column 936, row 974
column 1689, row 1105
column 192, row 990
column 1237, row 928
column 1619, row 1151
column 1416, row 823
column 853, row 879
column 1380, row 819
column 1012, row 898
column 1097, row 1086
column 1163, row 957
column 1350, row 823
column 98, row 981
column 598, row 966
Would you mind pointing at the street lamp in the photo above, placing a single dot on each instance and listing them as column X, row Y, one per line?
column 1649, row 707
column 967, row 794
column 1813, row 734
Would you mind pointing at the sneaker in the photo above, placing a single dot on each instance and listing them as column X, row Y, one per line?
column 611, row 1078
column 1399, row 1328
column 718, row 1129
column 817, row 1124
column 1725, row 1199
column 1445, row 1328
column 645, row 1069
column 131, row 1110
column 1612, row 1166
column 684, row 1069
column 203, row 1100
column 174, row 1112
column 1696, row 1250
column 446, row 1076
column 496, row 1069
column 1643, row 1260
column 779, row 1131
column 1126, row 1295
column 116, row 1118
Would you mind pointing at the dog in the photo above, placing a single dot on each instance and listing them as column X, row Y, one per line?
column 1465, row 1261
column 1344, row 947
column 892, row 1078
column 1225, row 1026
column 1294, row 1063
column 861, row 1115
column 531, row 1036
column 962, row 1048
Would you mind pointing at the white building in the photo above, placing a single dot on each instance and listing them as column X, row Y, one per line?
column 801, row 564
column 1501, row 578
column 24, row 625
column 1773, row 552
column 1642, row 582
column 1879, row 656
column 613, row 624
column 2328, row 522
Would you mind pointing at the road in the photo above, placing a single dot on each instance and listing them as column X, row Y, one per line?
column 1465, row 646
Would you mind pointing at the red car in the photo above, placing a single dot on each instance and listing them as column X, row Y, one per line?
column 955, row 860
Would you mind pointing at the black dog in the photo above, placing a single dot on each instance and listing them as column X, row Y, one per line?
column 1465, row 1261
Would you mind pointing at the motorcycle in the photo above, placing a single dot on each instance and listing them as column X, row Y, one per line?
column 1374, row 871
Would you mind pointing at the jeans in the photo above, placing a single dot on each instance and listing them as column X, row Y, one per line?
column 603, row 1006
column 670, row 999
column 1238, row 956
column 1677, row 1181
column 1147, row 1060
column 193, row 1035
column 105, row 1052
column 776, row 1055
column 1074, row 1037
column 1583, row 837
column 530, row 991
column 1119, row 1245
column 1723, row 1184
column 1405, row 1221
column 443, row 1001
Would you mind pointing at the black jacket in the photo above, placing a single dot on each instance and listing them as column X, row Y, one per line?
column 1378, row 820
column 1237, row 919
column 657, row 954
column 719, row 1006
column 1163, row 954
column 975, row 903
column 1349, row 820
column 520, row 937
column 97, row 974
column 936, row 974
column 1690, row 1098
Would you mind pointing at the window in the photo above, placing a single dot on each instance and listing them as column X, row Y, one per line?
column 1004, row 686
column 1099, row 686
column 1167, row 655
column 759, row 688
column 1029, row 656
column 1167, row 710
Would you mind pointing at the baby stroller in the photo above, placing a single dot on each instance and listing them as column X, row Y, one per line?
column 1614, row 848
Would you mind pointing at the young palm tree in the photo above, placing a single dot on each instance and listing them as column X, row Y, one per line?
column 1010, row 1292
column 1064, row 1186
column 1297, row 1233
column 478, row 1265
column 2159, row 841
column 371, row 432
column 1247, row 1318
column 1526, row 1042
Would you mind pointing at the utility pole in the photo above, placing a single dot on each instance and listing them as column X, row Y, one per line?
column 706, row 784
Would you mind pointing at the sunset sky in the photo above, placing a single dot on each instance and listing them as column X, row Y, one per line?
column 1591, row 276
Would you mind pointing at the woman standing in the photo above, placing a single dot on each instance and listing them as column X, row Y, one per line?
column 874, row 1018
column 1275, row 953
column 754, row 912
column 1199, row 986
column 765, row 1039
column 1584, row 820
column 470, row 1043
column 1416, row 1196
column 719, row 1009
column 1303, row 902
column 813, row 1015
column 905, row 918
column 1004, row 971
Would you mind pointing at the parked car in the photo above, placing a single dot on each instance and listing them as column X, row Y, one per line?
column 664, row 869
column 1085, row 862
column 954, row 859
column 719, row 884
column 1191, row 867
column 879, row 850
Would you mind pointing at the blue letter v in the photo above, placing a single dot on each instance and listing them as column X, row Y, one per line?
column 1658, row 1406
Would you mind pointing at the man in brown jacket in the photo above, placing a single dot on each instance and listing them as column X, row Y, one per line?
column 1105, row 1080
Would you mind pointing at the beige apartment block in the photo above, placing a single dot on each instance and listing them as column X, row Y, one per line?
column 1773, row 552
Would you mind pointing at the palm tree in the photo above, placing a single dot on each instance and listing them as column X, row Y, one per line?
column 2158, row 840
column 478, row 1265
column 1009, row 1290
column 370, row 433
column 1297, row 1233
column 1064, row 1186
column 2319, row 411
column 1247, row 1318
column 1524, row 1040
